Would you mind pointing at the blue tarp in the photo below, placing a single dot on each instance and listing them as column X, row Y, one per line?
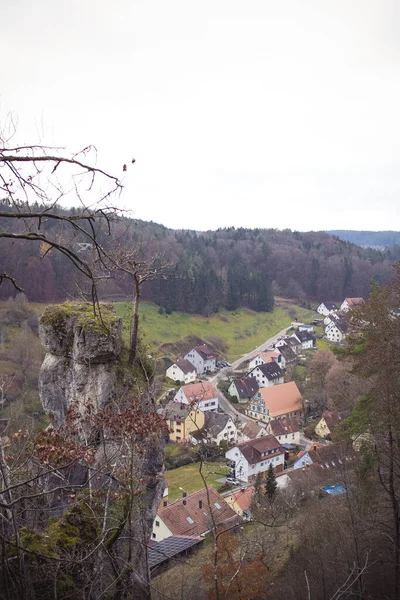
column 335, row 489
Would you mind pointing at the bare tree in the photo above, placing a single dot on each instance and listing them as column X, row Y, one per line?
column 35, row 179
column 140, row 270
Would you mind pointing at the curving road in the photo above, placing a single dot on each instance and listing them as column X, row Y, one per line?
column 224, row 404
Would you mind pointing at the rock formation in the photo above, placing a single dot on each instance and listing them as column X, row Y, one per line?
column 81, row 358
column 82, row 367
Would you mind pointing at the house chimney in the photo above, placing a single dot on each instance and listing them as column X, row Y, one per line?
column 200, row 504
column 165, row 502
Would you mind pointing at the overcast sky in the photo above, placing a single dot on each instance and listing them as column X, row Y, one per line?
column 265, row 113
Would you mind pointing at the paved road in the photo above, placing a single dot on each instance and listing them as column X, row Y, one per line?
column 224, row 404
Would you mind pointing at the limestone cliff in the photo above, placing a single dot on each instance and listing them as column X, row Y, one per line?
column 81, row 358
column 82, row 367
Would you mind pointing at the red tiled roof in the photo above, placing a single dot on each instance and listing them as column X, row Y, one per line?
column 282, row 399
column 194, row 518
column 354, row 301
column 243, row 497
column 195, row 392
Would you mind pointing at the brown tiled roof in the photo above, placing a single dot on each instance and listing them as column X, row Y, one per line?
column 185, row 366
column 354, row 301
column 246, row 387
column 333, row 418
column 205, row 352
column 243, row 497
column 189, row 519
column 252, row 429
column 332, row 455
column 269, row 356
column 256, row 450
column 283, row 426
column 281, row 399
column 195, row 392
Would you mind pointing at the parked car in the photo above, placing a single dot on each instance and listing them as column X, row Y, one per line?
column 232, row 480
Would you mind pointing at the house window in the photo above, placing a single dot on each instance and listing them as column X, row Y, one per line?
column 153, row 535
column 189, row 520
column 178, row 431
column 157, row 523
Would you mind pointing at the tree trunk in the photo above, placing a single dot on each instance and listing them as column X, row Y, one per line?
column 135, row 329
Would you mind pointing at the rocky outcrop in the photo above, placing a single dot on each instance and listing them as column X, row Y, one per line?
column 81, row 359
column 84, row 366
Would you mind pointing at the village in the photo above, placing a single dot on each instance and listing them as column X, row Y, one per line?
column 255, row 414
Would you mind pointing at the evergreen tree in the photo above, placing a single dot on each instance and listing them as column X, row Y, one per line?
column 271, row 485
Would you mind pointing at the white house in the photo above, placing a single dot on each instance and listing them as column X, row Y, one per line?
column 336, row 332
column 331, row 318
column 203, row 394
column 249, row 459
column 305, row 338
column 220, row 426
column 267, row 374
column 326, row 307
column 266, row 357
column 182, row 370
column 203, row 358
column 349, row 303
column 286, row 430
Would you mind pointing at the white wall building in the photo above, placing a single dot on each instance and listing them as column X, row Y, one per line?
column 203, row 358
column 183, row 371
column 267, row 374
column 203, row 394
column 251, row 458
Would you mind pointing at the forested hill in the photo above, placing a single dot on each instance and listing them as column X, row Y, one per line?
column 368, row 238
column 227, row 268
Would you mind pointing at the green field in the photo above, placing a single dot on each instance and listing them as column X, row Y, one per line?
column 189, row 479
column 232, row 333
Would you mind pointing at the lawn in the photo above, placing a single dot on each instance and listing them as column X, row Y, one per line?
column 189, row 479
column 233, row 333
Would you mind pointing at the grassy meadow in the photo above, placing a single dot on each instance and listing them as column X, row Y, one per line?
column 232, row 333
column 189, row 479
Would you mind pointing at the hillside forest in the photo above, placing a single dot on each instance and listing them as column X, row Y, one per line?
column 203, row 272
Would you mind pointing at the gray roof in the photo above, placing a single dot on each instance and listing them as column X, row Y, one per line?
column 288, row 354
column 171, row 546
column 270, row 370
column 304, row 336
column 215, row 422
column 330, row 305
column 185, row 366
column 175, row 410
column 246, row 387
